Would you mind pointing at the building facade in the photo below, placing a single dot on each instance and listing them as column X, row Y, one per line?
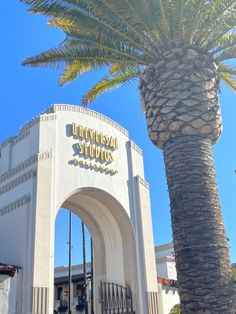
column 77, row 159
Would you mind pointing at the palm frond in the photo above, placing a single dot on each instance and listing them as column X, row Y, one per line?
column 218, row 19
column 181, row 20
column 226, row 54
column 99, row 41
column 164, row 24
column 225, row 68
column 126, row 36
column 72, row 71
column 89, row 20
column 229, row 80
column 66, row 54
column 197, row 8
column 112, row 81
column 227, row 41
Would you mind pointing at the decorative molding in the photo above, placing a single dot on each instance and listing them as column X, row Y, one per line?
column 41, row 118
column 25, row 129
column 15, row 139
column 44, row 155
column 25, row 164
column 11, row 185
column 57, row 107
column 50, row 115
column 9, row 140
column 142, row 181
column 14, row 205
column 40, row 300
column 136, row 148
column 152, row 298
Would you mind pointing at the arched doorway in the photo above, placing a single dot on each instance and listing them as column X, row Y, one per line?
column 73, row 265
column 113, row 238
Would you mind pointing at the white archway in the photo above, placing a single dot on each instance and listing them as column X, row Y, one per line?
column 112, row 234
column 76, row 158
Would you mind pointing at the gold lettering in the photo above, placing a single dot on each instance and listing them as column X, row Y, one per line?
column 81, row 131
column 106, row 153
column 102, row 139
column 111, row 158
column 116, row 144
column 91, row 134
column 86, row 150
column 74, row 129
column 91, row 151
column 107, row 140
column 112, row 143
column 80, row 147
column 86, row 133
column 97, row 152
column 102, row 155
column 96, row 137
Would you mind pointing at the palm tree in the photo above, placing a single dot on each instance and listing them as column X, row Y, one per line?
column 179, row 50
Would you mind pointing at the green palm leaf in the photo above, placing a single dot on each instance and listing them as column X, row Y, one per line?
column 228, row 75
column 72, row 71
column 111, row 82
column 124, row 34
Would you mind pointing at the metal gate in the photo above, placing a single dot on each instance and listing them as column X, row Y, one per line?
column 115, row 299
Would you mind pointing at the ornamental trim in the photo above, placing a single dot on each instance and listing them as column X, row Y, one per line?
column 58, row 107
column 143, row 182
column 21, row 179
column 14, row 205
column 25, row 164
column 136, row 147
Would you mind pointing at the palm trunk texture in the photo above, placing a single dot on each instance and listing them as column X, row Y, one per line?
column 180, row 98
column 201, row 247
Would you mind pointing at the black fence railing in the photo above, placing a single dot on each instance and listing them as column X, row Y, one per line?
column 116, row 299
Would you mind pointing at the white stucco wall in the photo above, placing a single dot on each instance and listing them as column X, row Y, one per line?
column 10, row 293
column 38, row 175
column 165, row 261
column 170, row 298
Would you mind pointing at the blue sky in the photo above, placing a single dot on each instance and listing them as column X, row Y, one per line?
column 25, row 92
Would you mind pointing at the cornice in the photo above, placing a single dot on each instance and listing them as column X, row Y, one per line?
column 136, row 148
column 142, row 181
column 25, row 164
column 50, row 115
column 19, row 180
column 41, row 118
column 14, row 205
column 25, row 129
column 15, row 139
column 59, row 107
column 164, row 247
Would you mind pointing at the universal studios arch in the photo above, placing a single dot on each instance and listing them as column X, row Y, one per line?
column 78, row 159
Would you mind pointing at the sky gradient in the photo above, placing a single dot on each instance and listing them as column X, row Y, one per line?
column 26, row 92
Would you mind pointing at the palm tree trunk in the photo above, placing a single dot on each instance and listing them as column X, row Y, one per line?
column 201, row 247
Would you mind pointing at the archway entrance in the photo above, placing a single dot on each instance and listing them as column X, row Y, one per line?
column 76, row 158
column 73, row 265
column 113, row 239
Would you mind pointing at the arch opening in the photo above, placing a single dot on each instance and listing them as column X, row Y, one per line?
column 112, row 235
